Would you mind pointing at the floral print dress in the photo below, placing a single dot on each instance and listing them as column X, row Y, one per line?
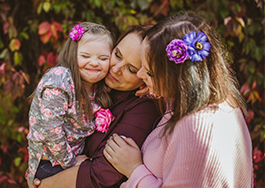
column 55, row 128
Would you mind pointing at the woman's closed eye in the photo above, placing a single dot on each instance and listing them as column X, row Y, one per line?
column 133, row 70
column 117, row 55
column 149, row 74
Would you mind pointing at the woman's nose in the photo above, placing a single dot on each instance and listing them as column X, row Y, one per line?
column 140, row 73
column 116, row 68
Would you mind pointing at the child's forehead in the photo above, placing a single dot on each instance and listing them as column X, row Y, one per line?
column 89, row 37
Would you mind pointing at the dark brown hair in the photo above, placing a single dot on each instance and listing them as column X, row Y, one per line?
column 190, row 86
column 137, row 29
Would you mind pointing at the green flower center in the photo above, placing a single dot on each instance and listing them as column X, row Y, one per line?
column 176, row 53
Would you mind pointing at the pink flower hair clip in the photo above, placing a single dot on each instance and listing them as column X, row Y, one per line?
column 77, row 32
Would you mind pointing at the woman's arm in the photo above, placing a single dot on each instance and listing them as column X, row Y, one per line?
column 64, row 179
column 96, row 171
column 136, row 123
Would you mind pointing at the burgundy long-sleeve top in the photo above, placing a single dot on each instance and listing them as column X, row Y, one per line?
column 134, row 118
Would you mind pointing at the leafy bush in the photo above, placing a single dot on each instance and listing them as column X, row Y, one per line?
column 32, row 33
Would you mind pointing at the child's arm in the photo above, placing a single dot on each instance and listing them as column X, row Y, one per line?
column 54, row 105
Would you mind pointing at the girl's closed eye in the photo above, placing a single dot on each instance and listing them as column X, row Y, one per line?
column 85, row 56
column 104, row 58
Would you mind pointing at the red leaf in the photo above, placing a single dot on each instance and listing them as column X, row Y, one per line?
column 5, row 7
column 6, row 27
column 254, row 84
column 245, row 89
column 3, row 179
column 51, row 59
column 227, row 20
column 26, row 77
column 44, row 28
column 249, row 116
column 46, row 37
column 11, row 181
column 8, row 86
column 25, row 151
column 14, row 45
column 257, row 155
column 41, row 60
column 2, row 68
column 57, row 26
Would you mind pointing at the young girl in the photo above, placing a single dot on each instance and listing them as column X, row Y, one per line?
column 61, row 113
column 202, row 139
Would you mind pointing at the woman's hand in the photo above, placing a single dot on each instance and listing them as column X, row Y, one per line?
column 143, row 90
column 123, row 153
column 80, row 159
column 36, row 182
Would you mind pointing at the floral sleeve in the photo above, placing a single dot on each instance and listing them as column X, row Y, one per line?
column 54, row 104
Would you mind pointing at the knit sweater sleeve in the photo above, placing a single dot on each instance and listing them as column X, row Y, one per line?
column 206, row 149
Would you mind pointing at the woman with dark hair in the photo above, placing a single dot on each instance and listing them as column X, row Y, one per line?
column 134, row 117
column 202, row 139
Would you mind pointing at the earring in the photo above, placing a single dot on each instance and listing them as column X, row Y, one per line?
column 153, row 96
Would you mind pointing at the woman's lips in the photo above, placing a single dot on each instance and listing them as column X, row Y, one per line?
column 112, row 78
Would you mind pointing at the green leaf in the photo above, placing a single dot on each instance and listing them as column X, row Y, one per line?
column 259, row 53
column 57, row 8
column 17, row 58
column 19, row 137
column 97, row 3
column 39, row 8
column 241, row 37
column 143, row 4
column 4, row 53
column 17, row 161
column 24, row 35
column 238, row 7
column 251, row 69
column 224, row 13
column 46, row 6
column 1, row 44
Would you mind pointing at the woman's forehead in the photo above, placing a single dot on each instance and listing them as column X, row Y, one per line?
column 130, row 47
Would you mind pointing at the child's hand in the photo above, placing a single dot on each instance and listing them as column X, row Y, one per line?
column 80, row 159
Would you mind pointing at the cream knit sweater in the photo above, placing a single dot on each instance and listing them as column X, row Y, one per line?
column 209, row 148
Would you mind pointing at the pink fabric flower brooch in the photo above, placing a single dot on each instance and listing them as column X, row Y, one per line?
column 103, row 120
column 77, row 32
column 192, row 46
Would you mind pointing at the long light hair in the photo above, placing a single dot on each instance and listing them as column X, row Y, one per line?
column 68, row 59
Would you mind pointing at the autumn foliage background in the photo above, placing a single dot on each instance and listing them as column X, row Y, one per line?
column 33, row 31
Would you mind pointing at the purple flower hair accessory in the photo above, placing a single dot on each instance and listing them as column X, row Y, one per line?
column 198, row 45
column 77, row 32
column 177, row 51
